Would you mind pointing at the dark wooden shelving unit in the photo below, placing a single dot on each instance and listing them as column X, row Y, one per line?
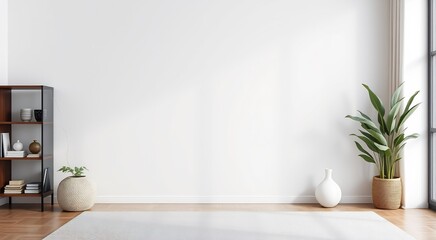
column 45, row 129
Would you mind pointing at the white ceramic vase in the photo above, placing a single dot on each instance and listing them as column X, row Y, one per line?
column 75, row 194
column 328, row 193
column 18, row 146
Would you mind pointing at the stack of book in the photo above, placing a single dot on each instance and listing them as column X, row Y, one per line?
column 15, row 154
column 15, row 187
column 33, row 187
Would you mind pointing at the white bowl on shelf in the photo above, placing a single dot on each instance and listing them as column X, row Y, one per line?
column 26, row 114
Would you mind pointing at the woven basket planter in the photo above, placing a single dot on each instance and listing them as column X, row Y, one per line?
column 386, row 193
column 75, row 194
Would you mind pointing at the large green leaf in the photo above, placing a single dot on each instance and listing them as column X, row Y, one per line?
column 398, row 140
column 377, row 135
column 406, row 115
column 390, row 123
column 401, row 146
column 365, row 121
column 376, row 102
column 369, row 136
column 381, row 122
column 368, row 142
column 410, row 101
column 365, row 126
column 367, row 158
column 401, row 139
column 396, row 95
column 407, row 111
column 411, row 136
column 365, row 116
column 381, row 147
column 361, row 148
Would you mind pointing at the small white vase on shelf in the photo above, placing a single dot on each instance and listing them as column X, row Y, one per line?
column 328, row 193
column 18, row 146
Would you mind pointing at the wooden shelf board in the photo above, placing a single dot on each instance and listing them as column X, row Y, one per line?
column 48, row 193
column 45, row 157
column 20, row 158
column 25, row 123
column 24, row 87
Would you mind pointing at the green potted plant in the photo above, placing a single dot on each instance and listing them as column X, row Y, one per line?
column 382, row 141
column 75, row 193
column 75, row 171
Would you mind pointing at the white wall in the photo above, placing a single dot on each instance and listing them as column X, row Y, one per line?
column 414, row 168
column 3, row 41
column 205, row 101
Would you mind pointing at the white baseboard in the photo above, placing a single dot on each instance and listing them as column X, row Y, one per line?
column 3, row 201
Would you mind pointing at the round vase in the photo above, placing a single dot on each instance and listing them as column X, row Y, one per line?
column 328, row 193
column 35, row 147
column 75, row 194
column 18, row 146
column 386, row 193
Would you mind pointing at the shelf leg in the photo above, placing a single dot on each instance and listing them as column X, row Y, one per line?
column 10, row 202
column 42, row 204
column 52, row 199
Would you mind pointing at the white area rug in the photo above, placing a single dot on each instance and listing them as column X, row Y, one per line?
column 229, row 225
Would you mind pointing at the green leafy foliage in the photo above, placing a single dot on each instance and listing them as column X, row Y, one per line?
column 382, row 141
column 76, row 171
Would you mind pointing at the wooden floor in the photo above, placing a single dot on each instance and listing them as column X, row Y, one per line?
column 25, row 221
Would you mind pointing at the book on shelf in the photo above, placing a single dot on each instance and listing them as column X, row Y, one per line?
column 33, row 187
column 15, row 154
column 16, row 182
column 13, row 191
column 6, row 143
column 32, row 190
column 14, row 187
column 33, row 184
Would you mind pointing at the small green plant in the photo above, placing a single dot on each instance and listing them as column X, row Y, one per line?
column 76, row 171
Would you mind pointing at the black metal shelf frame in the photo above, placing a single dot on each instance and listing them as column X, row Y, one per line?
column 431, row 112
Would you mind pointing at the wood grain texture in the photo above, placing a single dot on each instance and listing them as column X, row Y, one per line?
column 5, row 115
column 21, row 87
column 25, row 221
